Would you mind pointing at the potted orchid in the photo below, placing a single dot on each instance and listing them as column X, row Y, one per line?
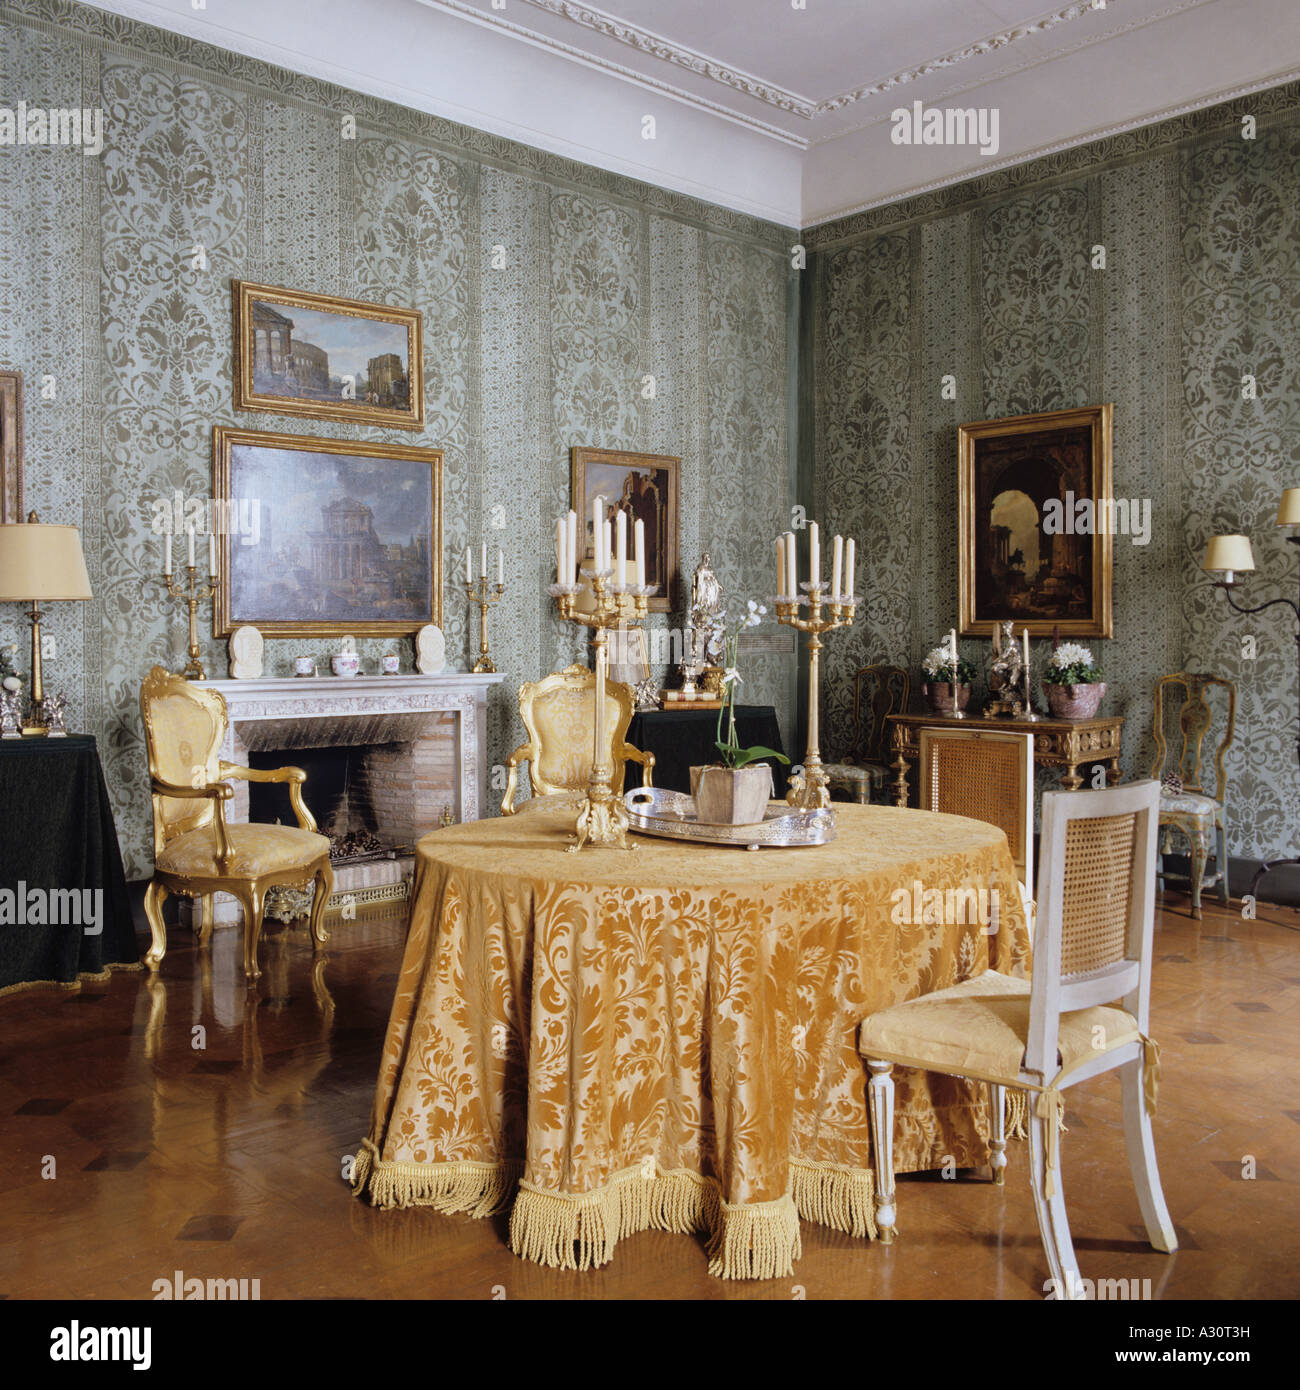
column 1072, row 682
column 736, row 790
column 942, row 676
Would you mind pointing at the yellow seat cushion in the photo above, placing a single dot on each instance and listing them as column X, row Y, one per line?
column 979, row 1029
column 255, row 850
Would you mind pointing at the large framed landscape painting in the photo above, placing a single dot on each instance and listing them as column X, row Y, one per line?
column 326, row 536
column 331, row 359
column 1036, row 523
column 647, row 488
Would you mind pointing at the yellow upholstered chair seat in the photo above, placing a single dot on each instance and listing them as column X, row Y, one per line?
column 255, row 850
column 979, row 1029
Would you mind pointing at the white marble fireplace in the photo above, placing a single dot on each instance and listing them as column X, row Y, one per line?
column 426, row 738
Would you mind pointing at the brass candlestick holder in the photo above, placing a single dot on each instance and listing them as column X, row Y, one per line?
column 810, row 791
column 603, row 818
column 479, row 592
column 194, row 593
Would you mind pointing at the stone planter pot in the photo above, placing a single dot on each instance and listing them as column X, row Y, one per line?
column 731, row 796
column 938, row 695
column 1074, row 701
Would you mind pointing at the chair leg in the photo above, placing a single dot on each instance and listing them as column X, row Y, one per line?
column 1221, row 853
column 998, row 1138
column 316, row 923
column 1200, row 852
column 1142, row 1160
column 154, row 897
column 207, row 917
column 251, row 901
column 1053, row 1224
column 880, row 1095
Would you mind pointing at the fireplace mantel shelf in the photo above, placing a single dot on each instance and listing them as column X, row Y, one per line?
column 316, row 687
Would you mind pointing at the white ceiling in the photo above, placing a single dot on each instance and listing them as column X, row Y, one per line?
column 778, row 111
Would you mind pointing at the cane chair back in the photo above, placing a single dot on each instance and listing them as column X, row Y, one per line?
column 986, row 775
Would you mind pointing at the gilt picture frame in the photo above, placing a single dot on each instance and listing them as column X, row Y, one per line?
column 1034, row 493
column 326, row 537
column 648, row 488
column 11, row 446
column 327, row 358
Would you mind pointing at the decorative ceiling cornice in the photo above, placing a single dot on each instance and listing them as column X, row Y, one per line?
column 656, row 46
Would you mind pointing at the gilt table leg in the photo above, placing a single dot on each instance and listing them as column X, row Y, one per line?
column 1071, row 781
column 1113, row 773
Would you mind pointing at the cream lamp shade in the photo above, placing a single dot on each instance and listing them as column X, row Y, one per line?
column 1288, row 512
column 1228, row 553
column 41, row 563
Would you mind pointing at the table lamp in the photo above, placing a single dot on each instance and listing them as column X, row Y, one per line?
column 40, row 564
column 1227, row 556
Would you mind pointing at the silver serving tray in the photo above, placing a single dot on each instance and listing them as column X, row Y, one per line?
column 671, row 815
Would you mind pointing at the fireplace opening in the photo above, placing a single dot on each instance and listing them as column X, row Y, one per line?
column 346, row 790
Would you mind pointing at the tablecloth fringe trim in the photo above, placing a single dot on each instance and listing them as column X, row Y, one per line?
column 838, row 1197
column 477, row 1189
column 756, row 1240
column 85, row 977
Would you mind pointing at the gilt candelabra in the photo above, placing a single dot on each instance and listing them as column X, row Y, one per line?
column 481, row 592
column 603, row 818
column 810, row 791
column 194, row 593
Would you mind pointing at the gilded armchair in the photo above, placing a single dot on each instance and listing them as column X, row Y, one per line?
column 196, row 853
column 1185, row 804
column 878, row 692
column 559, row 714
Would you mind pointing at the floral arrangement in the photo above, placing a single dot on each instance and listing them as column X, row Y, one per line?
column 1071, row 664
column 733, row 755
column 938, row 667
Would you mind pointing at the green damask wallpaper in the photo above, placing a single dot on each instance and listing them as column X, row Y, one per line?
column 993, row 283
column 549, row 290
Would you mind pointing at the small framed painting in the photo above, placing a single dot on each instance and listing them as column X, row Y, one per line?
column 328, row 358
column 1037, row 521
column 647, row 488
column 322, row 537
column 11, row 446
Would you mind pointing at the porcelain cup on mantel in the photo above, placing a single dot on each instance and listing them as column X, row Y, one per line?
column 304, row 666
column 345, row 663
column 731, row 795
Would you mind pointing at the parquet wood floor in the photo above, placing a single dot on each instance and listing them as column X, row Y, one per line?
column 219, row 1152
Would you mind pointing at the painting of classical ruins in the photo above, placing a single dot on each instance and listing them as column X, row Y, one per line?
column 344, row 537
column 330, row 358
column 1034, row 492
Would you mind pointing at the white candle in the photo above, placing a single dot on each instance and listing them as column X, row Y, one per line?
column 837, row 568
column 167, row 553
column 852, row 560
column 638, row 536
column 483, row 567
column 212, row 555
column 571, row 550
column 597, row 528
column 501, row 567
column 190, row 535
column 1025, row 634
column 952, row 638
column 780, row 566
column 608, row 543
column 620, row 544
column 791, row 566
column 561, row 539
column 814, row 552
column 469, row 571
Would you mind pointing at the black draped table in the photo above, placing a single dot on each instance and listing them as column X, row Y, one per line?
column 64, row 911
column 681, row 738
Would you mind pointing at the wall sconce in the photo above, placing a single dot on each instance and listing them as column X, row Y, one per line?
column 1229, row 556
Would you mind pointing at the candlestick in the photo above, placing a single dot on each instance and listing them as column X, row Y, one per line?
column 809, row 790
column 193, row 593
column 478, row 591
column 1030, row 713
column 602, row 819
column 956, row 712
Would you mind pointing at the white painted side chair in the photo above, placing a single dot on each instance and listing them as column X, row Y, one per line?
column 988, row 775
column 1096, row 921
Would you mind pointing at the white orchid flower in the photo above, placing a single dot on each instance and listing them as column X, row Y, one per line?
column 731, row 674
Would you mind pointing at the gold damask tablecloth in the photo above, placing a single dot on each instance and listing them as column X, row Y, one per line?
column 609, row 1041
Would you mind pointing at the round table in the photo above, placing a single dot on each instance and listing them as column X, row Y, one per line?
column 607, row 1041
